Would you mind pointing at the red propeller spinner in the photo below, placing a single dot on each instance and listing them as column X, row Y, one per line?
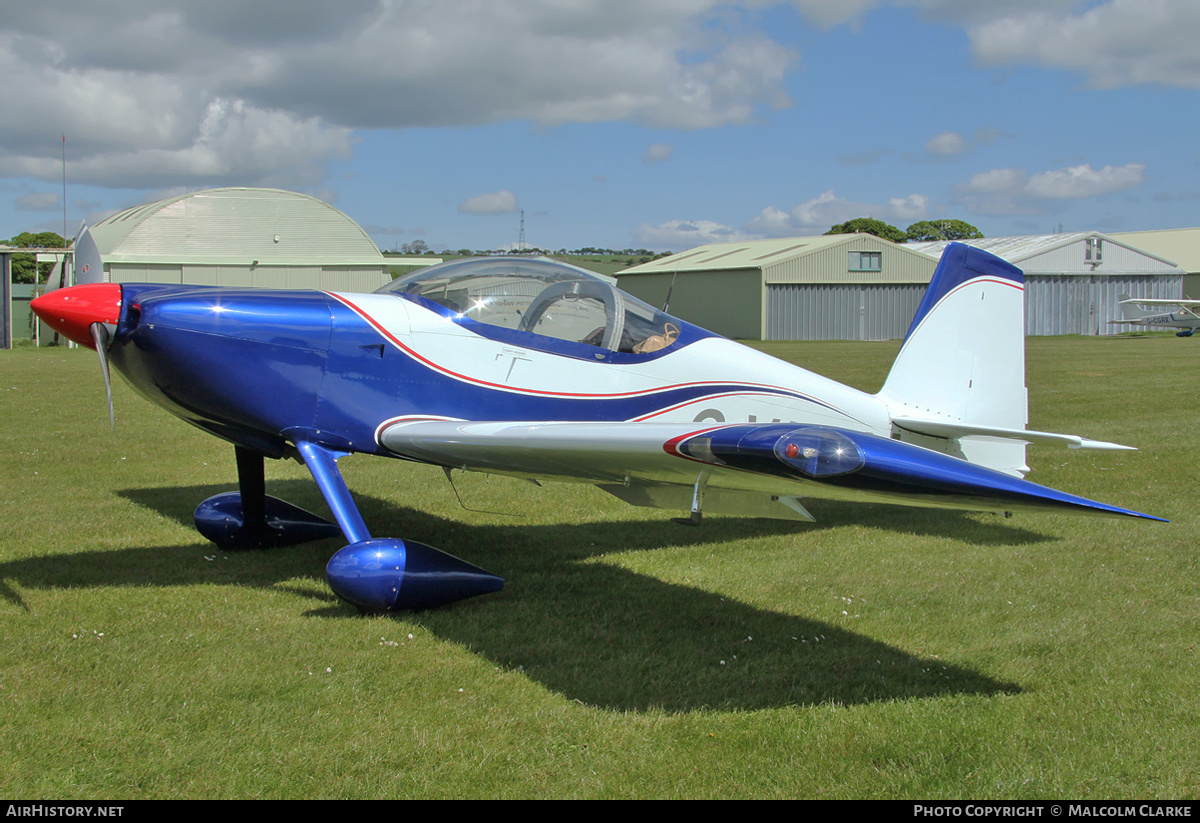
column 72, row 311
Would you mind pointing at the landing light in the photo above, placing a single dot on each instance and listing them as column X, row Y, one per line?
column 819, row 452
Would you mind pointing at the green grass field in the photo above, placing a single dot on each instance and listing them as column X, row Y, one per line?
column 881, row 652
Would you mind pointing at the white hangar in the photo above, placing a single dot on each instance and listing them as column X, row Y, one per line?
column 1073, row 281
column 266, row 238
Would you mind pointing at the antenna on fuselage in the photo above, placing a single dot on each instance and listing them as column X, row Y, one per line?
column 670, row 288
column 450, row 479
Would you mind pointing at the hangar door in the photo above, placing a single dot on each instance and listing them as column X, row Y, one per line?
column 1083, row 304
column 841, row 311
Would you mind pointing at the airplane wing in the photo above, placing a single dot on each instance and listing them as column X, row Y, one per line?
column 1161, row 302
column 644, row 464
column 756, row 469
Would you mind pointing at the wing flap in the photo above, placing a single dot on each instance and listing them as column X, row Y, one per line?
column 716, row 501
column 590, row 452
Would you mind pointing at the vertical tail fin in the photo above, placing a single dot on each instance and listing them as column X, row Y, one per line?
column 1130, row 310
column 962, row 363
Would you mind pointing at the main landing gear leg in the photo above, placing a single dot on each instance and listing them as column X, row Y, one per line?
column 383, row 573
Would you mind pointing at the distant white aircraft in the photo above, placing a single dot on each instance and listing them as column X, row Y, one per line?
column 1184, row 315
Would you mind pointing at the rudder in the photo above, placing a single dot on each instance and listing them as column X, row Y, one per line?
column 963, row 359
column 1130, row 310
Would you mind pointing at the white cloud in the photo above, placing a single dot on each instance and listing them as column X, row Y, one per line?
column 947, row 143
column 815, row 216
column 233, row 143
column 1014, row 191
column 829, row 13
column 812, row 217
column 1112, row 42
column 220, row 91
column 658, row 153
column 973, row 12
column 1078, row 182
column 498, row 202
column 825, row 210
column 684, row 234
column 951, row 144
column 995, row 180
column 772, row 222
column 217, row 92
column 905, row 209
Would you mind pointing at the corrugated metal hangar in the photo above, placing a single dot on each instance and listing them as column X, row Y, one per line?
column 267, row 238
column 1180, row 246
column 832, row 287
column 862, row 287
column 1073, row 281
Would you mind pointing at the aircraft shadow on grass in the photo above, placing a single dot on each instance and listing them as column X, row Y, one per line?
column 592, row 631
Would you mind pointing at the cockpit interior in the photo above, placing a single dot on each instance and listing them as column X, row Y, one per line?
column 543, row 297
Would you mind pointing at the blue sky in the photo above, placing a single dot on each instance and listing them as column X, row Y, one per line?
column 611, row 123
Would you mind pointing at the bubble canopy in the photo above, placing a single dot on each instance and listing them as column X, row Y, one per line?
column 541, row 297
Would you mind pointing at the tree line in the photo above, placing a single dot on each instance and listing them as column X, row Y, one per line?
column 419, row 247
column 22, row 264
column 918, row 232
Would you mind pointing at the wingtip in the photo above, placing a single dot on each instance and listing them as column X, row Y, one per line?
column 1102, row 445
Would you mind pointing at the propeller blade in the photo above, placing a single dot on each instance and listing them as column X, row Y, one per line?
column 101, row 338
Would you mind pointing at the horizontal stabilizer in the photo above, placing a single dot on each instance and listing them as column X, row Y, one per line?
column 951, row 429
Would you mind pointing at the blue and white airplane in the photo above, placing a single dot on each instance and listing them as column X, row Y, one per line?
column 1183, row 315
column 538, row 369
